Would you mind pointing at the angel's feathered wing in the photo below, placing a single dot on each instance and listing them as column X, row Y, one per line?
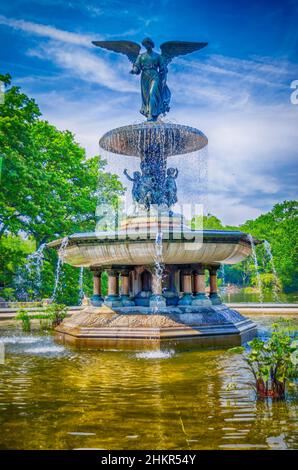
column 129, row 48
column 171, row 49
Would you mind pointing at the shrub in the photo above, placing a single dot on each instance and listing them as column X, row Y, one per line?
column 23, row 315
column 56, row 313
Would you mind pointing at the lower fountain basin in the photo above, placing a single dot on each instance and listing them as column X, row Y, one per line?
column 138, row 327
column 138, row 248
column 135, row 139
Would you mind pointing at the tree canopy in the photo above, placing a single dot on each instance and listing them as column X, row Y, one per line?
column 49, row 188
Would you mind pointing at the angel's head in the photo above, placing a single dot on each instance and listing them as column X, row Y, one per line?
column 148, row 43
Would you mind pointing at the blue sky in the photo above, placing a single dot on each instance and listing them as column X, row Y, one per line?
column 237, row 90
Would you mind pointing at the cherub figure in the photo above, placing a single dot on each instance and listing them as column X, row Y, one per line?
column 171, row 187
column 136, row 189
column 147, row 186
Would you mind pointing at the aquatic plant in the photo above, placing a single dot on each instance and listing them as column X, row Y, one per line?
column 273, row 361
column 52, row 316
column 56, row 313
column 23, row 315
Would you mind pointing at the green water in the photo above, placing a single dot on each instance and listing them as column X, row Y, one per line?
column 52, row 397
column 242, row 296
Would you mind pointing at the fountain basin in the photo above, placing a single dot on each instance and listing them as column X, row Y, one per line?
column 135, row 139
column 138, row 248
column 131, row 328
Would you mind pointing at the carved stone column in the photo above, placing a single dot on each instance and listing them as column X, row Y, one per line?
column 96, row 299
column 200, row 297
column 214, row 297
column 125, row 298
column 187, row 297
column 170, row 293
column 113, row 299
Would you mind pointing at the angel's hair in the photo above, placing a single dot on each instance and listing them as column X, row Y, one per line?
column 148, row 41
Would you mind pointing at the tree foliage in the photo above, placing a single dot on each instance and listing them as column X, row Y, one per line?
column 280, row 228
column 49, row 188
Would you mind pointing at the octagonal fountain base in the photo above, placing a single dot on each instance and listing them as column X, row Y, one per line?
column 141, row 327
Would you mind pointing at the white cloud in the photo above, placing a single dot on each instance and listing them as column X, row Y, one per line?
column 47, row 31
column 86, row 66
column 73, row 57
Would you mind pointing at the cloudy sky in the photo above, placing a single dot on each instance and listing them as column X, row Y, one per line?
column 237, row 90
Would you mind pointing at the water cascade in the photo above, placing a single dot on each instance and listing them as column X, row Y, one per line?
column 267, row 247
column 33, row 267
column 158, row 273
column 255, row 260
column 222, row 275
column 60, row 261
column 81, row 287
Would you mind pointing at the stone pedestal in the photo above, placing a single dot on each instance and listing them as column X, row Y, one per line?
column 200, row 297
column 96, row 299
column 187, row 297
column 213, row 296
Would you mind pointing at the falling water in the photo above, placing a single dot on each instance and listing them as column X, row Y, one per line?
column 267, row 247
column 81, row 287
column 158, row 265
column 255, row 259
column 20, row 282
column 222, row 275
column 60, row 261
column 34, row 266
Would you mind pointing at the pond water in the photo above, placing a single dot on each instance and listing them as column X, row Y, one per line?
column 53, row 397
column 268, row 296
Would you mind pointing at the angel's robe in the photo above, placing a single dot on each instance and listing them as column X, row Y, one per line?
column 155, row 92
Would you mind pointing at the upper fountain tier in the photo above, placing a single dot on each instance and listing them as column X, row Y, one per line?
column 165, row 138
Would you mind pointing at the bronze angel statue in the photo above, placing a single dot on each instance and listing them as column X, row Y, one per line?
column 153, row 69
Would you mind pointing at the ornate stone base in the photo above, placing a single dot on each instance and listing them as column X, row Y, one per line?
column 138, row 327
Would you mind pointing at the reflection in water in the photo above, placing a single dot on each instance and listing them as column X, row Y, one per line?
column 64, row 399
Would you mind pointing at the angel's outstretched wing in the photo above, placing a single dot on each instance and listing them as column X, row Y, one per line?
column 129, row 48
column 171, row 49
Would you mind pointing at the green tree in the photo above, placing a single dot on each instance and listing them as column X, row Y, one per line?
column 49, row 189
column 13, row 252
column 209, row 222
column 280, row 228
